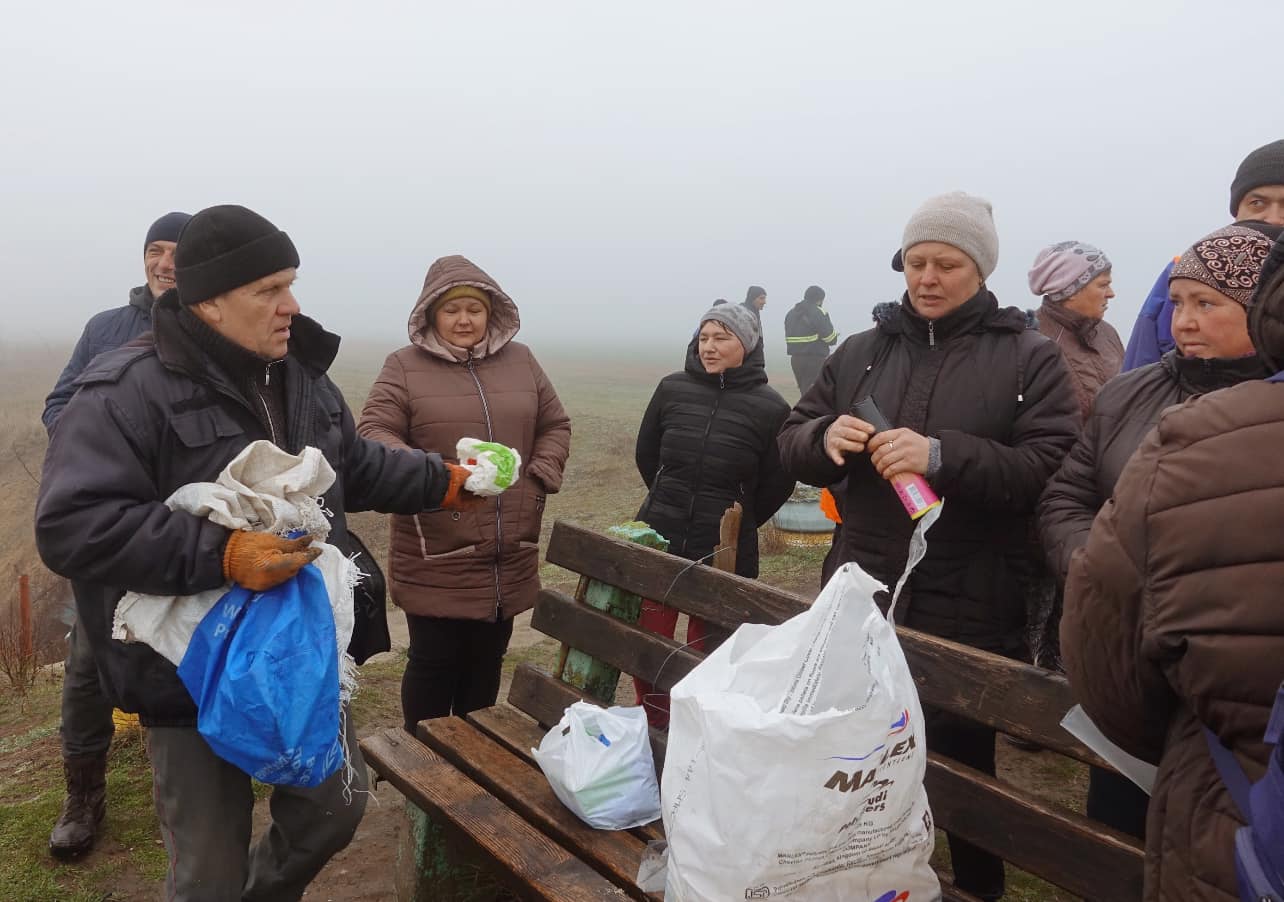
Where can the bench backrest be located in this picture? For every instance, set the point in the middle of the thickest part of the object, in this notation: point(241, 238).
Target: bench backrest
point(1015, 698)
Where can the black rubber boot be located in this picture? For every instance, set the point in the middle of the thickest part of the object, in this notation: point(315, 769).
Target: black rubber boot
point(84, 809)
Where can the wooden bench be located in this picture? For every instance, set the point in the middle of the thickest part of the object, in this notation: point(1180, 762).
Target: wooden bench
point(477, 780)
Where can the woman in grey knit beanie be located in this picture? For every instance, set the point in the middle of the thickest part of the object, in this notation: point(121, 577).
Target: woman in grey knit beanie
point(981, 407)
point(708, 441)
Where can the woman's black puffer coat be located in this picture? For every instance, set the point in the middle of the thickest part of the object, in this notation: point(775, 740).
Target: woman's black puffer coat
point(705, 443)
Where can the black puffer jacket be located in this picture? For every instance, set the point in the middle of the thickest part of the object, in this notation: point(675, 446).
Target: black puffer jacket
point(1125, 410)
point(997, 395)
point(705, 443)
point(104, 332)
point(155, 415)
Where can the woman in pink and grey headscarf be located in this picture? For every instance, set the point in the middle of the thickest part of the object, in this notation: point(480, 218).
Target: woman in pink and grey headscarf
point(1074, 279)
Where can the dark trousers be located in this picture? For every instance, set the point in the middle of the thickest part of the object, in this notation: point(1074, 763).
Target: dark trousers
point(205, 807)
point(975, 870)
point(454, 666)
point(1117, 802)
point(86, 714)
point(806, 370)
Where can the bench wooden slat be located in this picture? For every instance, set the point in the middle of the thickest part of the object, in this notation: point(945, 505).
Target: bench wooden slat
point(1010, 696)
point(519, 734)
point(711, 594)
point(1059, 846)
point(1078, 855)
point(625, 646)
point(613, 854)
point(510, 728)
point(533, 864)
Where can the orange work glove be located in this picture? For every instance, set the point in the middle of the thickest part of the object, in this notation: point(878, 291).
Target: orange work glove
point(259, 560)
point(457, 497)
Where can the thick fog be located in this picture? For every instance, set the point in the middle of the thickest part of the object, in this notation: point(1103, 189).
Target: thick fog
point(616, 166)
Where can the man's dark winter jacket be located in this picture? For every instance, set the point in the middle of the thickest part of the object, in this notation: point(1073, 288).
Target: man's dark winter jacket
point(1125, 410)
point(808, 330)
point(104, 332)
point(158, 414)
point(998, 396)
point(705, 443)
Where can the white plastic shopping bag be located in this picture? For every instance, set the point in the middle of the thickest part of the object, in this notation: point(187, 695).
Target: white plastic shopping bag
point(492, 467)
point(598, 761)
point(795, 762)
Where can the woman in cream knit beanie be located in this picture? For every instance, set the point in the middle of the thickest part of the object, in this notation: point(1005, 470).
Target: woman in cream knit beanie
point(961, 220)
point(980, 407)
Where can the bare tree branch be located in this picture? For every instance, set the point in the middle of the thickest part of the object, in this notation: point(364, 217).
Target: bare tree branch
point(16, 456)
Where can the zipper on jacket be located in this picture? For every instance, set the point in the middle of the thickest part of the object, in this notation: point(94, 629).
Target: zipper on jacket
point(267, 411)
point(931, 333)
point(704, 441)
point(499, 502)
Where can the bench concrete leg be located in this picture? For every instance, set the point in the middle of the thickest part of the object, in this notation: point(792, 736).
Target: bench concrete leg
point(431, 868)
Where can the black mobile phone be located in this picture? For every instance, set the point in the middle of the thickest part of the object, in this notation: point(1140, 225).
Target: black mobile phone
point(868, 411)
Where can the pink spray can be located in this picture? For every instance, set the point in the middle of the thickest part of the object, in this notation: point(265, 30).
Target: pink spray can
point(916, 495)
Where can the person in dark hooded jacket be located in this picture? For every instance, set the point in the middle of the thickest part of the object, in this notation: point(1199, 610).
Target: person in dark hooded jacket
point(809, 334)
point(985, 411)
point(118, 326)
point(707, 441)
point(87, 724)
point(755, 300)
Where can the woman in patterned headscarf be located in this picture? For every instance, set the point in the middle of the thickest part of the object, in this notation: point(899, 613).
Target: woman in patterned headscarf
point(1074, 279)
point(1210, 287)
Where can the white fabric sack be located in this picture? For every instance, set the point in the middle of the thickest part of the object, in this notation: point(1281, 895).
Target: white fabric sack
point(598, 761)
point(264, 489)
point(795, 762)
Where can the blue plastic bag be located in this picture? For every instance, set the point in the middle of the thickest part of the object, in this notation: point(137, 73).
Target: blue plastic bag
point(264, 672)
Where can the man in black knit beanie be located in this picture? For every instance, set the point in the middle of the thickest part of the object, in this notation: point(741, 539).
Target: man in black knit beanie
point(230, 361)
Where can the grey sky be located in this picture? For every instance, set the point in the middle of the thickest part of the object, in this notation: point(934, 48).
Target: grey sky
point(616, 166)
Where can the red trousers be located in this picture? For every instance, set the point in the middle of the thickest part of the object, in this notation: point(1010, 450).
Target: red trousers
point(663, 621)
